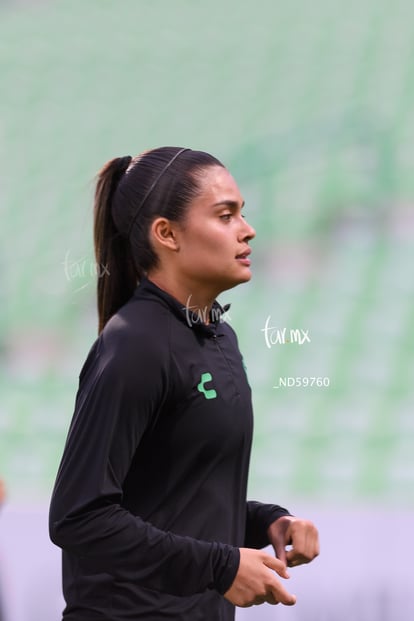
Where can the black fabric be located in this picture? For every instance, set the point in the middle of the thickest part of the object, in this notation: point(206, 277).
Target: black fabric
point(149, 504)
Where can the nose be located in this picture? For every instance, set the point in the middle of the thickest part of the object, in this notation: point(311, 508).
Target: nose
point(248, 231)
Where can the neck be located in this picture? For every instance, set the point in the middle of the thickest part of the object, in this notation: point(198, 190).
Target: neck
point(191, 295)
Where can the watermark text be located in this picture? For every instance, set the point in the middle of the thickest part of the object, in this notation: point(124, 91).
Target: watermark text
point(194, 314)
point(302, 382)
point(282, 336)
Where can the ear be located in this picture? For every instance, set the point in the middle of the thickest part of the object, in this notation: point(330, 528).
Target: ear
point(164, 234)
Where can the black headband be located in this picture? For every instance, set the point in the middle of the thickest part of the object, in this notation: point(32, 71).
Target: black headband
point(152, 186)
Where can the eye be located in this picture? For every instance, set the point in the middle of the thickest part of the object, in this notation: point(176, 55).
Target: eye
point(226, 217)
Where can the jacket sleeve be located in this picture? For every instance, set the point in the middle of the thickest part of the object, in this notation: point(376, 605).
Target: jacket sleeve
point(120, 393)
point(259, 516)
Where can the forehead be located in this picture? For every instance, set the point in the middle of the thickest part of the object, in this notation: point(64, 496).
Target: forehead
point(216, 184)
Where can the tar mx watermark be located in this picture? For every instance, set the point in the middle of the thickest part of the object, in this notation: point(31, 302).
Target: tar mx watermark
point(194, 314)
point(283, 336)
point(76, 269)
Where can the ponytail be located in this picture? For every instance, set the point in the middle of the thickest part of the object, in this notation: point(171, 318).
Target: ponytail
point(117, 275)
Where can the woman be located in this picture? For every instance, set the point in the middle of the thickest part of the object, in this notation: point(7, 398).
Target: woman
point(149, 504)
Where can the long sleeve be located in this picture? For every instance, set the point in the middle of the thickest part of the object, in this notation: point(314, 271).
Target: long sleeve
point(259, 516)
point(120, 395)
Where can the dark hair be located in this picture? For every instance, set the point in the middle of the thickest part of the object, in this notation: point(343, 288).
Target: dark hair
point(126, 203)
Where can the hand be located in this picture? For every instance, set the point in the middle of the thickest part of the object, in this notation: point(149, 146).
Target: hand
point(255, 583)
point(302, 535)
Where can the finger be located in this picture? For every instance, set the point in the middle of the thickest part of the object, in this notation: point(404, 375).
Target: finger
point(276, 564)
point(264, 599)
point(279, 546)
point(280, 594)
point(294, 559)
point(305, 547)
point(299, 559)
point(298, 538)
point(270, 599)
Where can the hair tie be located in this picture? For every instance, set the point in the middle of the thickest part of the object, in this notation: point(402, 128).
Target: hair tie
point(123, 163)
point(152, 186)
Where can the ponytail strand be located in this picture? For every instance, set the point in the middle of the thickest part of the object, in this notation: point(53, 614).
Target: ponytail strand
point(117, 275)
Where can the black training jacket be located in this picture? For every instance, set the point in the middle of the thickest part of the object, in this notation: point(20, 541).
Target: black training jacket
point(149, 504)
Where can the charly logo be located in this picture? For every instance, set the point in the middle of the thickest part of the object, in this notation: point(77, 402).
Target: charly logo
point(208, 393)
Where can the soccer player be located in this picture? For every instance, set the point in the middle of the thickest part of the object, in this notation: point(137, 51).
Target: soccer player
point(149, 504)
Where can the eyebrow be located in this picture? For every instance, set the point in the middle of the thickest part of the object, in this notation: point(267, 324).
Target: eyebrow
point(229, 203)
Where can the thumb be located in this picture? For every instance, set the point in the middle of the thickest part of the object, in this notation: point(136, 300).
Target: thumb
point(277, 565)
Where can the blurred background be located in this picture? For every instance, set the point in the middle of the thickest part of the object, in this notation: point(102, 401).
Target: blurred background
point(311, 107)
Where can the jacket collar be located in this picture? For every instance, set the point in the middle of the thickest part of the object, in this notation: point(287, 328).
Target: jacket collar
point(194, 320)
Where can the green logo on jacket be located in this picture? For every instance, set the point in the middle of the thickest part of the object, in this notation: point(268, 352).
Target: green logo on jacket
point(208, 393)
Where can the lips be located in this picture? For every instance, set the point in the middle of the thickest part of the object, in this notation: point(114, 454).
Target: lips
point(243, 258)
point(244, 255)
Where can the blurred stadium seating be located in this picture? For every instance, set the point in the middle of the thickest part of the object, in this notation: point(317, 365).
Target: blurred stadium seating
point(310, 105)
point(311, 109)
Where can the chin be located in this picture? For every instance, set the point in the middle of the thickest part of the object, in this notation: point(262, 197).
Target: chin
point(246, 276)
point(237, 280)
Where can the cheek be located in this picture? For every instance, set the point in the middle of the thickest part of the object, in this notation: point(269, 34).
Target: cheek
point(210, 238)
